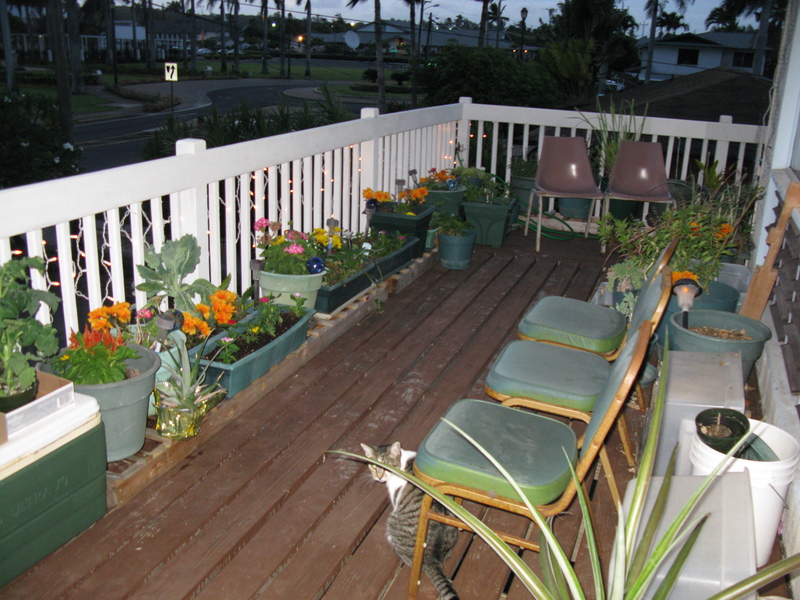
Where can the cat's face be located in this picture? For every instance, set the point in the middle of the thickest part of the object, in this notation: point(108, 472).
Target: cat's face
point(388, 454)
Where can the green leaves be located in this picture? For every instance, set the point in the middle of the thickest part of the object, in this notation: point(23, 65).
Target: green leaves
point(164, 274)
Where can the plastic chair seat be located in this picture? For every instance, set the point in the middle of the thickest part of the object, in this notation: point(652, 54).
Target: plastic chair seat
point(529, 446)
point(574, 323)
point(553, 374)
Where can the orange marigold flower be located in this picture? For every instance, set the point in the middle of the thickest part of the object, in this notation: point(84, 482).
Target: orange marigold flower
point(694, 226)
point(419, 193)
point(204, 310)
point(193, 325)
point(724, 231)
point(678, 275)
point(368, 194)
point(383, 196)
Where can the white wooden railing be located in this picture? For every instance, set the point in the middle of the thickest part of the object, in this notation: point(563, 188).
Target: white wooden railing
point(92, 228)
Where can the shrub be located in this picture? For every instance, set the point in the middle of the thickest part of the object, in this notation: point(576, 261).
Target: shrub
point(34, 148)
point(370, 75)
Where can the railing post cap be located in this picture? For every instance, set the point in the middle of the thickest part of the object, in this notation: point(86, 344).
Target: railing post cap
point(370, 113)
point(465, 100)
point(189, 146)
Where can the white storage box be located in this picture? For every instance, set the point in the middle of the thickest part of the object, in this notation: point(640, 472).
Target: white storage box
point(694, 382)
point(724, 552)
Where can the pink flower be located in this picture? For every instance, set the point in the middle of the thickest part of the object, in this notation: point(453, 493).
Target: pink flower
point(265, 299)
point(261, 225)
point(144, 313)
point(294, 249)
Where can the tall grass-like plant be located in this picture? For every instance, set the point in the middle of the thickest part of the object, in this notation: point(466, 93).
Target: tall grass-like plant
point(634, 564)
point(608, 130)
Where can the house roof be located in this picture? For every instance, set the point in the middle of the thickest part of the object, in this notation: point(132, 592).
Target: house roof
point(709, 39)
point(701, 96)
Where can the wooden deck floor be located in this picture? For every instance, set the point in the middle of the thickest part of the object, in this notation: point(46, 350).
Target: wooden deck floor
point(261, 512)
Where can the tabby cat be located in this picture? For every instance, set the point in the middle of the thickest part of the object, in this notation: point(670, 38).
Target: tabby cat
point(401, 527)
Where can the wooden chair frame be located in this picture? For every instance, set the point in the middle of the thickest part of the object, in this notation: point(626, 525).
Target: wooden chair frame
point(582, 469)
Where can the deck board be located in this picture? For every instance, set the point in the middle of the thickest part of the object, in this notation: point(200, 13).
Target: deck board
point(260, 510)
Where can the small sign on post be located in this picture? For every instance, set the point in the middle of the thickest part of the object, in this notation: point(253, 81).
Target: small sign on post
point(171, 75)
point(170, 71)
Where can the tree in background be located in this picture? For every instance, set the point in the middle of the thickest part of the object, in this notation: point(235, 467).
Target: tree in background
point(378, 53)
point(489, 76)
point(670, 22)
point(653, 8)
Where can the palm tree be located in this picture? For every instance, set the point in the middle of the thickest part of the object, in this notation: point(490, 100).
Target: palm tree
point(55, 31)
point(378, 53)
point(721, 18)
point(308, 35)
point(484, 22)
point(74, 40)
point(652, 9)
point(412, 56)
point(8, 48)
point(496, 16)
point(670, 22)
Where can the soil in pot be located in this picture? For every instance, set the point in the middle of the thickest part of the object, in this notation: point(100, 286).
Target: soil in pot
point(722, 334)
point(247, 347)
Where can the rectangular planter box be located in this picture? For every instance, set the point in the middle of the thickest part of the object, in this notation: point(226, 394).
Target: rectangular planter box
point(242, 373)
point(389, 265)
point(491, 221)
point(410, 225)
point(329, 298)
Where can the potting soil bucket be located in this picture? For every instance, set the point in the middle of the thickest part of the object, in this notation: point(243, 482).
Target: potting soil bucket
point(769, 480)
point(682, 338)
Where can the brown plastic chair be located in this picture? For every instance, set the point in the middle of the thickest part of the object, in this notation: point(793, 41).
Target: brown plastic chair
point(639, 174)
point(564, 172)
point(533, 448)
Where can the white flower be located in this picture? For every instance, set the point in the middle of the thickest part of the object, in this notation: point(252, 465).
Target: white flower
point(68, 146)
point(56, 160)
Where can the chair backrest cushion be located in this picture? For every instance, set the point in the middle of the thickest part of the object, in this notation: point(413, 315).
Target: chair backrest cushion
point(639, 171)
point(564, 168)
point(628, 358)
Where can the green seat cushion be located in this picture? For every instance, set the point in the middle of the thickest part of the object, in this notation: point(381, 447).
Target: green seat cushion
point(553, 374)
point(535, 450)
point(574, 323)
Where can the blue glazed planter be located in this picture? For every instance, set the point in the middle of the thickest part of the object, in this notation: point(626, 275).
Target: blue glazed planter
point(242, 373)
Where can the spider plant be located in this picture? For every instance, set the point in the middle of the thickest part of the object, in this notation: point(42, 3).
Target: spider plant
point(634, 565)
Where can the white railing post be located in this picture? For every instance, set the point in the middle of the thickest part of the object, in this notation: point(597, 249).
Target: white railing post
point(369, 154)
point(192, 214)
point(721, 152)
point(462, 135)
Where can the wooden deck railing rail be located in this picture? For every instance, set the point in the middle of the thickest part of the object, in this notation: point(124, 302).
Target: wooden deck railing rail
point(92, 228)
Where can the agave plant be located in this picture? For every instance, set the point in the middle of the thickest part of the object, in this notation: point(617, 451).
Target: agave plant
point(183, 399)
point(634, 565)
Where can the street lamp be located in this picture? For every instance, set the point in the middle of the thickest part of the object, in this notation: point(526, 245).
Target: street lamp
point(524, 14)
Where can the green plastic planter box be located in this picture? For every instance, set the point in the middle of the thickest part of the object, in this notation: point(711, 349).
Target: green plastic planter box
point(242, 373)
point(410, 225)
point(491, 222)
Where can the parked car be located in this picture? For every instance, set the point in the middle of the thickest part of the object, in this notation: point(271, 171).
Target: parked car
point(203, 51)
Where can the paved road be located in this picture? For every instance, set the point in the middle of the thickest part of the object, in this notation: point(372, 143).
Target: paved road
point(117, 138)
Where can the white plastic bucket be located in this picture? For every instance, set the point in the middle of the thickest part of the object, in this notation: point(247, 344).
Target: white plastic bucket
point(769, 481)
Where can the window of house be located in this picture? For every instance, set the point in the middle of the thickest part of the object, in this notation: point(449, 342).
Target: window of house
point(688, 56)
point(743, 59)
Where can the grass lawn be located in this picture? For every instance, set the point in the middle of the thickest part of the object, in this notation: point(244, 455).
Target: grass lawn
point(81, 103)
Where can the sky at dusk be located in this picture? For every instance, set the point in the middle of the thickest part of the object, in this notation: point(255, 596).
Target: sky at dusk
point(695, 15)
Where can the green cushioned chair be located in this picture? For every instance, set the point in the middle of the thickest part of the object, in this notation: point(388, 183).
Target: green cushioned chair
point(567, 381)
point(584, 325)
point(535, 449)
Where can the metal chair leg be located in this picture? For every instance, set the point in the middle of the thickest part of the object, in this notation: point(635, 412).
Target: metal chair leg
point(624, 435)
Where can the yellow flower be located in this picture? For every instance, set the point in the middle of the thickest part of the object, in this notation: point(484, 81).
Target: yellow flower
point(64, 357)
point(255, 329)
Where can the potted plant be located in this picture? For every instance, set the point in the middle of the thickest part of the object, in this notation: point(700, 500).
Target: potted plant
point(259, 342)
point(165, 273)
point(119, 375)
point(292, 263)
point(184, 398)
point(406, 214)
point(357, 262)
point(446, 188)
point(23, 338)
point(456, 242)
point(523, 180)
point(708, 233)
point(491, 212)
